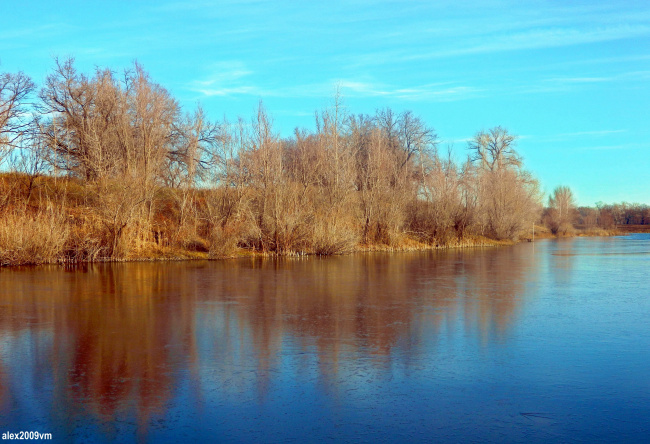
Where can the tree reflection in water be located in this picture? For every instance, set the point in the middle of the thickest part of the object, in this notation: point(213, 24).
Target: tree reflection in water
point(124, 338)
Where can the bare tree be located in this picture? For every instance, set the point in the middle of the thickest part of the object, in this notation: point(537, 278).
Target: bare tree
point(561, 210)
point(104, 127)
point(494, 149)
point(187, 165)
point(121, 136)
point(442, 198)
point(509, 197)
point(388, 123)
point(588, 217)
point(416, 139)
point(30, 160)
point(15, 90)
point(141, 170)
point(77, 130)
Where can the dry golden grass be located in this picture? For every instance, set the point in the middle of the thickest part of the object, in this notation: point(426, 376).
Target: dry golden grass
point(32, 238)
point(596, 231)
point(634, 228)
point(224, 243)
point(332, 237)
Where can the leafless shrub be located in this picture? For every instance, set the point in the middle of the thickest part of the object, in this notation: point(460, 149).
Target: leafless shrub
point(561, 212)
point(116, 204)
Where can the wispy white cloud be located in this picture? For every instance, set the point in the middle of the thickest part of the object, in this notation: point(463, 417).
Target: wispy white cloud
point(580, 79)
point(202, 5)
point(233, 78)
point(539, 39)
point(573, 136)
point(621, 76)
point(444, 91)
point(636, 75)
point(593, 133)
point(239, 90)
point(225, 74)
point(569, 84)
point(226, 78)
point(623, 146)
point(489, 34)
point(293, 113)
point(251, 89)
point(617, 60)
point(456, 140)
point(49, 30)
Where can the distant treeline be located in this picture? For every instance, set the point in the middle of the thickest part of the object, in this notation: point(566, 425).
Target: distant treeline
point(562, 216)
point(611, 215)
point(110, 166)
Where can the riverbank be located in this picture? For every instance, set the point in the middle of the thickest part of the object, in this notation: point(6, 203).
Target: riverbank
point(162, 254)
point(49, 220)
point(37, 241)
point(634, 228)
point(12, 258)
point(542, 232)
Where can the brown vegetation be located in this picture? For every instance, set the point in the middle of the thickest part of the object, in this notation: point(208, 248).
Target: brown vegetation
point(630, 228)
point(109, 167)
point(561, 211)
point(562, 218)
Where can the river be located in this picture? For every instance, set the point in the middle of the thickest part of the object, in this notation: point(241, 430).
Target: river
point(538, 342)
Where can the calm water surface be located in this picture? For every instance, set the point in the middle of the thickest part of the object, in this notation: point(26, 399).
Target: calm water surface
point(533, 343)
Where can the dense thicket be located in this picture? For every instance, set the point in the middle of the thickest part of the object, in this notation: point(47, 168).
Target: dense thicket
point(110, 166)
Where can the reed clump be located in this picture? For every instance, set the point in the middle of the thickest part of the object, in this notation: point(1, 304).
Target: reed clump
point(28, 237)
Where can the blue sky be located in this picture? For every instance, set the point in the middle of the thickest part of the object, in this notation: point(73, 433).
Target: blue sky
point(572, 79)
